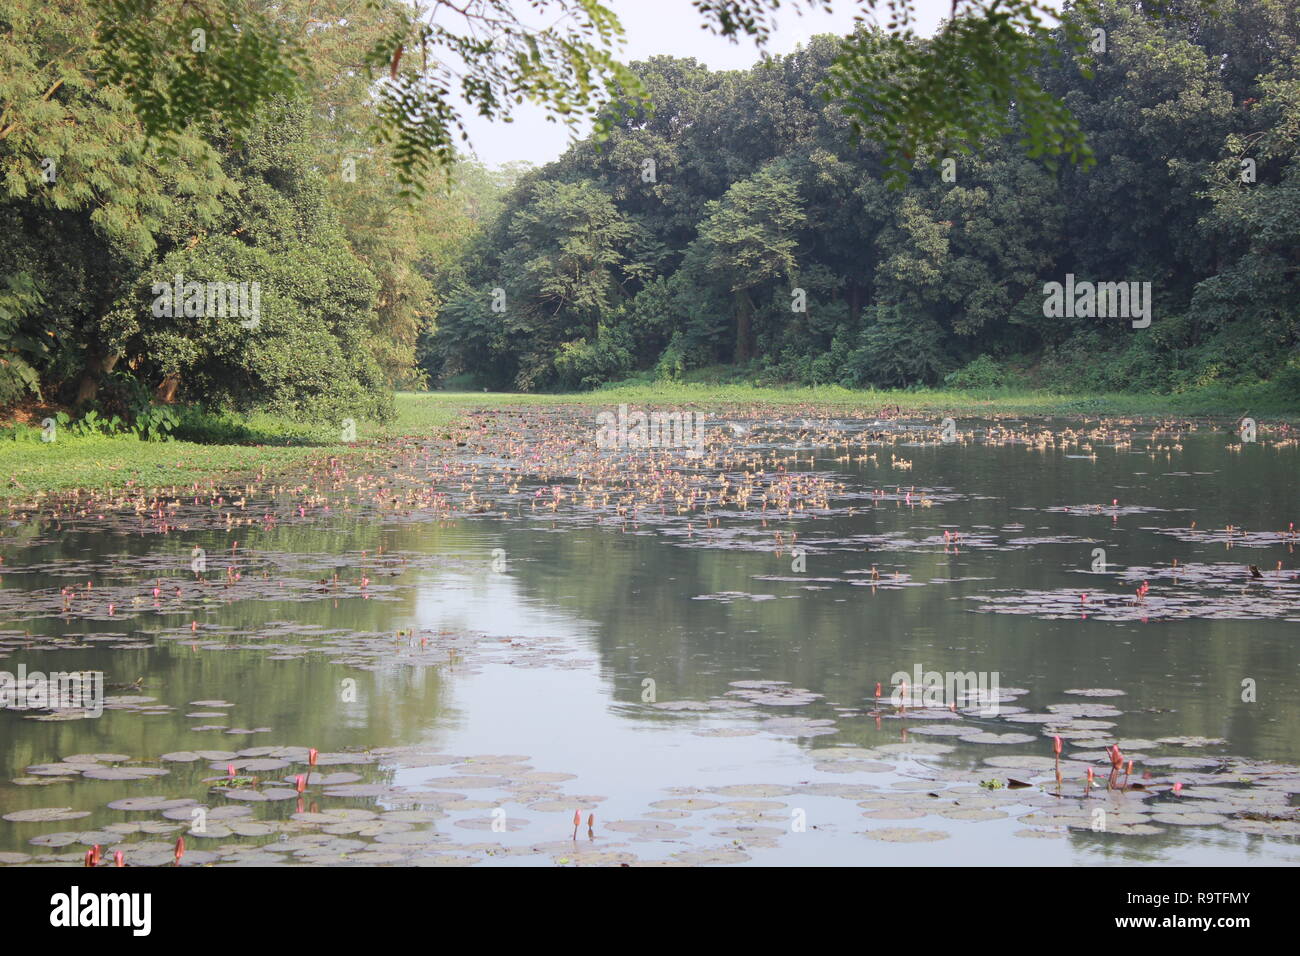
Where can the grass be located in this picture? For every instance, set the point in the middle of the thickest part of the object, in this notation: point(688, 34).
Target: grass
point(270, 444)
point(1230, 404)
point(280, 446)
point(101, 462)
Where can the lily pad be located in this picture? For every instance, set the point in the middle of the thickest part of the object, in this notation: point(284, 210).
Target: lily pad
point(906, 835)
point(45, 815)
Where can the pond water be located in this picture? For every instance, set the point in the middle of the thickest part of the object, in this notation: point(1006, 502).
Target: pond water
point(481, 636)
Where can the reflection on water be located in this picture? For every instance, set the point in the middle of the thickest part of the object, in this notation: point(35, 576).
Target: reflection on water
point(610, 652)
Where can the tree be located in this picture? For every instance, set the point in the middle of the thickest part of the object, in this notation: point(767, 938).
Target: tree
point(555, 266)
point(308, 350)
point(759, 187)
point(748, 243)
point(951, 92)
point(85, 198)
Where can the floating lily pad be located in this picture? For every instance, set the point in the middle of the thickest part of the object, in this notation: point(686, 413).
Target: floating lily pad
point(894, 813)
point(124, 773)
point(943, 730)
point(598, 858)
point(1189, 819)
point(906, 835)
point(1084, 710)
point(972, 813)
point(443, 859)
point(986, 737)
point(411, 838)
point(687, 804)
point(1182, 763)
point(1041, 834)
point(45, 815)
point(151, 803)
point(720, 856)
point(1193, 741)
point(97, 758)
point(470, 782)
point(1274, 828)
point(1021, 762)
point(853, 766)
point(754, 790)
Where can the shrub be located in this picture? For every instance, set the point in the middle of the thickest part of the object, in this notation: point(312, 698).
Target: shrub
point(980, 373)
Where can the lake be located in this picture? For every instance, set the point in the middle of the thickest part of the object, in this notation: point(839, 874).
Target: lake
point(719, 658)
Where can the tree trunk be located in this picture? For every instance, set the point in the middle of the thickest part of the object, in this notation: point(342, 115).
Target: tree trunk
point(855, 302)
point(167, 388)
point(96, 368)
point(744, 329)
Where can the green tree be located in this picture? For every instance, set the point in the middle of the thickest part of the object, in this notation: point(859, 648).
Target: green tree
point(953, 91)
point(748, 243)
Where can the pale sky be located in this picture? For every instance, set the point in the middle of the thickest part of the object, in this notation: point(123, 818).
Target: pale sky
point(672, 27)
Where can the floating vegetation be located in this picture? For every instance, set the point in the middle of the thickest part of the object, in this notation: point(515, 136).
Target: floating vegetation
point(906, 835)
point(45, 815)
point(786, 486)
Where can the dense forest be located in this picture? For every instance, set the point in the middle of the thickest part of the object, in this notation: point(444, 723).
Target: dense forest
point(742, 223)
point(94, 214)
point(723, 219)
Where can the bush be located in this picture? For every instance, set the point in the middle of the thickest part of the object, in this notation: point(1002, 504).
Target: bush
point(155, 422)
point(672, 363)
point(585, 364)
point(896, 352)
point(979, 374)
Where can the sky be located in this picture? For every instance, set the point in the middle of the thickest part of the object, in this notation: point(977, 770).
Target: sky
point(671, 27)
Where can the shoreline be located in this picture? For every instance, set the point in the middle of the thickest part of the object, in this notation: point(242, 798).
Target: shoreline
point(115, 463)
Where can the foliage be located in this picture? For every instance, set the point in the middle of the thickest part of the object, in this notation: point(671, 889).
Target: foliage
point(200, 60)
point(977, 374)
point(20, 350)
point(583, 364)
point(949, 93)
point(766, 235)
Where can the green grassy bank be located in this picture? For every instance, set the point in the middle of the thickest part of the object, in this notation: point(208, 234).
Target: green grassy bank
point(273, 445)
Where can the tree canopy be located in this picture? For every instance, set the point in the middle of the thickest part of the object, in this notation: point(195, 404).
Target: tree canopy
point(757, 229)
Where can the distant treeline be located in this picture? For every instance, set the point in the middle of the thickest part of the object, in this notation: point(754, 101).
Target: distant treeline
point(741, 223)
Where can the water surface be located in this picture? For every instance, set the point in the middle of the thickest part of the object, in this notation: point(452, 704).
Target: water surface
point(547, 642)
